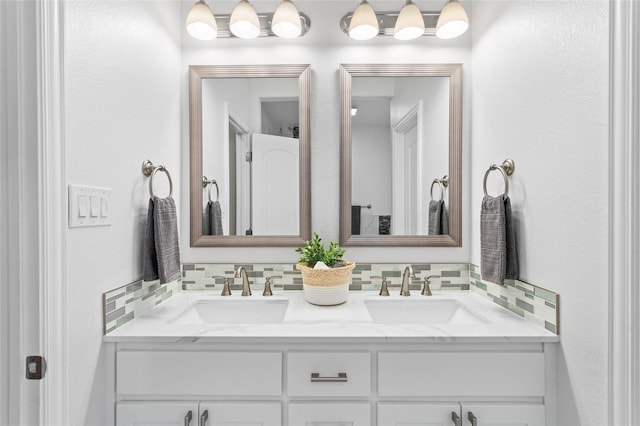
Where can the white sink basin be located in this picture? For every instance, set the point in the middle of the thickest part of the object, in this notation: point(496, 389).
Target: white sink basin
point(424, 312)
point(222, 311)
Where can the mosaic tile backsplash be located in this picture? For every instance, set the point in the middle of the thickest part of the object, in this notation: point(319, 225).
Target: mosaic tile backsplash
point(207, 276)
point(530, 302)
point(125, 303)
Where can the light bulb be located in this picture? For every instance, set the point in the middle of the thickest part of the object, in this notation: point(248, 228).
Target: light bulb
point(364, 22)
point(286, 20)
point(410, 23)
point(453, 21)
point(244, 21)
point(201, 23)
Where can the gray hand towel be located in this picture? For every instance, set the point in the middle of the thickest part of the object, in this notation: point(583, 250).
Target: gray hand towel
point(435, 217)
point(214, 217)
point(497, 240)
point(161, 257)
point(445, 220)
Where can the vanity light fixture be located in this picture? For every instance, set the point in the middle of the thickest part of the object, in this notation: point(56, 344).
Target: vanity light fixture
point(410, 23)
point(244, 21)
point(201, 23)
point(453, 20)
point(364, 22)
point(286, 20)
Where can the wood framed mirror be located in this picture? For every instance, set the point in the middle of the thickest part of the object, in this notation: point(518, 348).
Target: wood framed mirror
point(401, 154)
point(249, 162)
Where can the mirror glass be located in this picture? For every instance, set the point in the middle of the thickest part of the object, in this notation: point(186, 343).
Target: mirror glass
point(249, 155)
point(401, 154)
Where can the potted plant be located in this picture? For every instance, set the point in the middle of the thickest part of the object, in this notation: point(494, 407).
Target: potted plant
point(325, 275)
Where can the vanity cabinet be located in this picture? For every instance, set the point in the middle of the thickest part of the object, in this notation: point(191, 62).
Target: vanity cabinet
point(202, 413)
point(461, 414)
point(335, 383)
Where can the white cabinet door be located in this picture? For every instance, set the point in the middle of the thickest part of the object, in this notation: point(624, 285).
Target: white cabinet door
point(240, 414)
point(488, 414)
point(418, 414)
point(157, 413)
point(330, 414)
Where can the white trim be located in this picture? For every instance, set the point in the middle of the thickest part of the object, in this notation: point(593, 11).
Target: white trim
point(53, 196)
point(624, 219)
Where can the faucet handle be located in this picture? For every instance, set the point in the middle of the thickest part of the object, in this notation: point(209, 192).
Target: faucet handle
point(384, 290)
point(426, 290)
point(226, 291)
point(267, 285)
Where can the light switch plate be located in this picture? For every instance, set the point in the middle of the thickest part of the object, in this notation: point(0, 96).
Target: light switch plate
point(88, 206)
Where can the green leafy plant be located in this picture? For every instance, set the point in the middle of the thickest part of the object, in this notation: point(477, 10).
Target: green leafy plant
point(314, 251)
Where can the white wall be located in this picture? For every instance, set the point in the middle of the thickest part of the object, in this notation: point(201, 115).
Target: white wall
point(540, 97)
point(122, 106)
point(325, 47)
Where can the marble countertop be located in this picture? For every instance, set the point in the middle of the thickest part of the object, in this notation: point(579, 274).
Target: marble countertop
point(349, 322)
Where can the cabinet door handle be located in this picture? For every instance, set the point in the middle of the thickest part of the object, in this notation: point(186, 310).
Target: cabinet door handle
point(455, 418)
point(341, 377)
point(187, 418)
point(203, 418)
point(473, 419)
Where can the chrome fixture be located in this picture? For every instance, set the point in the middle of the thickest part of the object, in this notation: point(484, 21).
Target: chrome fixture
point(426, 290)
point(242, 273)
point(364, 23)
point(203, 418)
point(407, 275)
point(149, 169)
point(245, 22)
point(384, 288)
point(267, 285)
point(442, 184)
point(226, 291)
point(507, 168)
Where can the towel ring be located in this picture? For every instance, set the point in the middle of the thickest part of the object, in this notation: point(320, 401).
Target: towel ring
point(148, 169)
point(506, 168)
point(208, 182)
point(442, 184)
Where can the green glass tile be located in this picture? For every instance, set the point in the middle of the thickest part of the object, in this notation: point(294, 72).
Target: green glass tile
point(516, 310)
point(481, 285)
point(125, 319)
point(545, 294)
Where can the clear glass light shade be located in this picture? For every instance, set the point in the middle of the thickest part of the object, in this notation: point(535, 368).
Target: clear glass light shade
point(286, 20)
point(453, 21)
point(244, 21)
point(364, 23)
point(201, 23)
point(410, 23)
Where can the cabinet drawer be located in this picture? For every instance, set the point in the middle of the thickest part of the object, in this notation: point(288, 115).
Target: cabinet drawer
point(454, 374)
point(334, 414)
point(326, 368)
point(199, 373)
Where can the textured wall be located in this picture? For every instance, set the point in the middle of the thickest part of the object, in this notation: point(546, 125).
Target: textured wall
point(540, 96)
point(122, 105)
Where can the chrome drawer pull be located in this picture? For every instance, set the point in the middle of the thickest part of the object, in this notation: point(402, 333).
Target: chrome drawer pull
point(473, 419)
point(187, 418)
point(315, 377)
point(203, 418)
point(456, 419)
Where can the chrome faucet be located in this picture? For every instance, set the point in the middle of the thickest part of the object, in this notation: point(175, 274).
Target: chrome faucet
point(407, 275)
point(246, 289)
